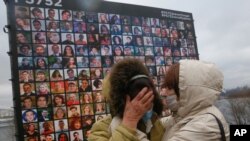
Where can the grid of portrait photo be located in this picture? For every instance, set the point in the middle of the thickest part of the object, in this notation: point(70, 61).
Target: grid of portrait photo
point(63, 56)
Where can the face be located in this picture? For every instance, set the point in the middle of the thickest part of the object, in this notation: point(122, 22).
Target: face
point(41, 77)
point(97, 72)
point(148, 51)
point(105, 29)
point(63, 137)
point(117, 40)
point(115, 28)
point(136, 20)
point(42, 89)
point(72, 88)
point(184, 51)
point(94, 49)
point(81, 37)
point(71, 61)
point(118, 51)
point(158, 31)
point(58, 101)
point(71, 74)
point(25, 76)
point(51, 14)
point(31, 127)
point(88, 133)
point(54, 38)
point(32, 139)
point(106, 50)
point(99, 107)
point(103, 17)
point(61, 124)
point(68, 37)
point(81, 50)
point(85, 84)
point(19, 22)
point(66, 16)
point(77, 125)
point(126, 29)
point(27, 103)
point(68, 50)
point(57, 86)
point(164, 33)
point(55, 48)
point(42, 102)
point(86, 97)
point(72, 97)
point(53, 25)
point(128, 40)
point(98, 97)
point(127, 51)
point(68, 26)
point(48, 138)
point(79, 14)
point(37, 25)
point(44, 113)
point(176, 53)
point(29, 116)
point(21, 38)
point(27, 88)
point(40, 50)
point(86, 109)
point(37, 14)
point(76, 136)
point(60, 113)
point(25, 50)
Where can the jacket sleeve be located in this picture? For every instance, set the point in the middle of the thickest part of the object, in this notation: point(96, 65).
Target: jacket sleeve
point(100, 132)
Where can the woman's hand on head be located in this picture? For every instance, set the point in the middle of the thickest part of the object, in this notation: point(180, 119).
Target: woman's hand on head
point(136, 108)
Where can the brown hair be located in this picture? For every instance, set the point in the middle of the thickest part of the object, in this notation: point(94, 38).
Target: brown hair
point(171, 80)
point(120, 85)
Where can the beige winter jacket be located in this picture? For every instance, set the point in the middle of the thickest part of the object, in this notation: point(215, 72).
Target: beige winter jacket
point(200, 84)
point(109, 129)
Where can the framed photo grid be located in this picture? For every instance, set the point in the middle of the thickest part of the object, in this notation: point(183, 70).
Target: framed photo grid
point(63, 55)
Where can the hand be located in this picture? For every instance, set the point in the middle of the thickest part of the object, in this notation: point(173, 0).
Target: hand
point(136, 108)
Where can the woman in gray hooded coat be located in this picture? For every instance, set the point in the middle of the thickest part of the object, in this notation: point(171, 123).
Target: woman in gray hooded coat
point(192, 87)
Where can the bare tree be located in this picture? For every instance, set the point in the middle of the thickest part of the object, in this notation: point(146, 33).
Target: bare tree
point(240, 110)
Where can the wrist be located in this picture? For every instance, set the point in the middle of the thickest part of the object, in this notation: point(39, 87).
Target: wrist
point(132, 124)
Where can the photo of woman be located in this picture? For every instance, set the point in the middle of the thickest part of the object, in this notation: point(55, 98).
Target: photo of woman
point(87, 109)
point(22, 24)
point(86, 98)
point(59, 100)
point(68, 51)
point(60, 112)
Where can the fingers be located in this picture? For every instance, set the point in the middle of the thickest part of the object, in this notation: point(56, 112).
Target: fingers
point(127, 101)
point(148, 105)
point(141, 94)
point(146, 97)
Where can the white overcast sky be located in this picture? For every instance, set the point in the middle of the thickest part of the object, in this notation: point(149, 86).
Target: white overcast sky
point(222, 28)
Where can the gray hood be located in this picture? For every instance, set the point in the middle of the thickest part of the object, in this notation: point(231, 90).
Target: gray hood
point(200, 84)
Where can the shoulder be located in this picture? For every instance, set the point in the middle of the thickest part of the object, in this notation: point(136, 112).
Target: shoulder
point(103, 122)
point(100, 130)
point(206, 124)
